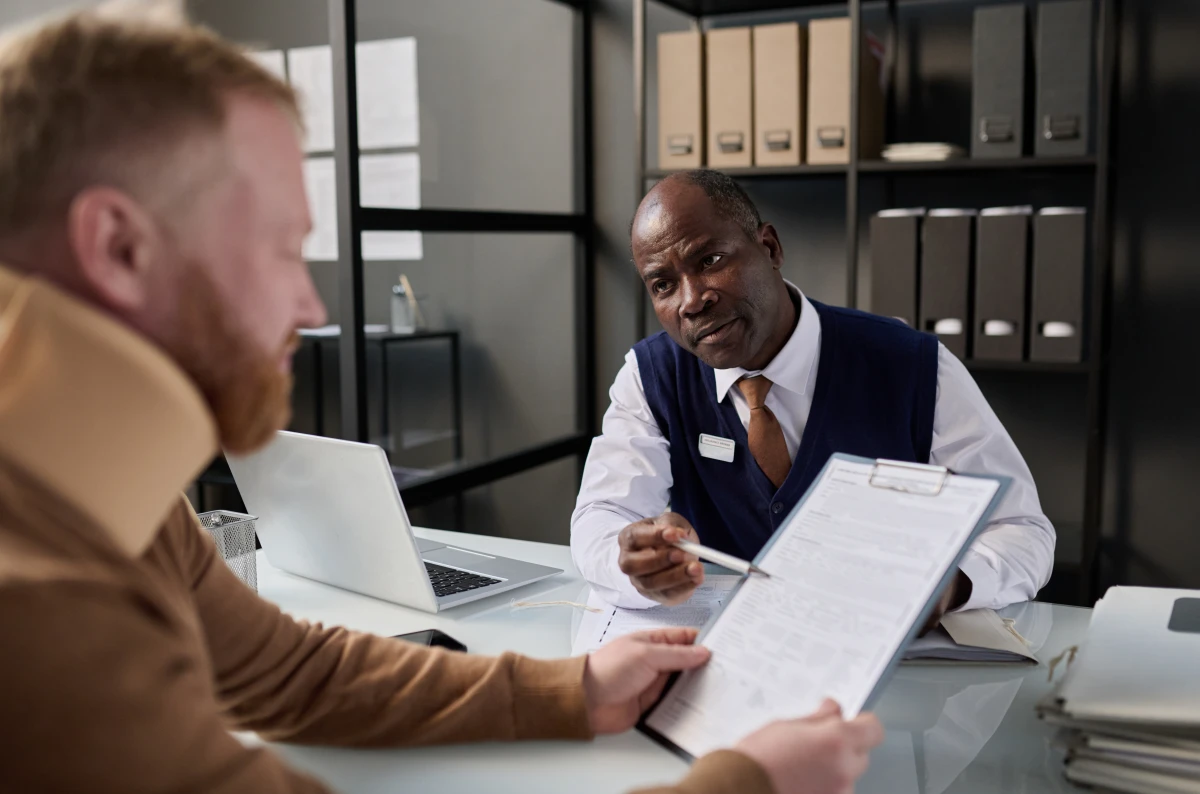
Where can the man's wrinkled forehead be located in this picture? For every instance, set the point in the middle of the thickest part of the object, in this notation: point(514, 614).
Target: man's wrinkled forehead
point(679, 220)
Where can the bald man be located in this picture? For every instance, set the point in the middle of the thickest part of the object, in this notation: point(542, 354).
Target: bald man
point(746, 357)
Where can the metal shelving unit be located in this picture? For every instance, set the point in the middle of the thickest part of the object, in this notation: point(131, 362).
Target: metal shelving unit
point(1028, 164)
point(1064, 368)
point(1099, 165)
point(1025, 164)
point(354, 219)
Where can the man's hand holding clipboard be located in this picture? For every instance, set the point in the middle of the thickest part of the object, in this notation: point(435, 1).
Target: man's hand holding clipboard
point(866, 559)
point(818, 754)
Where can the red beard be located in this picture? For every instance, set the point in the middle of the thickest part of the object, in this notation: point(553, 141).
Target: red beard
point(249, 395)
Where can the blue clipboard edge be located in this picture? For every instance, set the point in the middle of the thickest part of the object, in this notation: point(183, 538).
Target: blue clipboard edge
point(922, 616)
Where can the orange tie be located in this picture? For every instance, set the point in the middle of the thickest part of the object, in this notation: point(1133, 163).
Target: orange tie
point(765, 435)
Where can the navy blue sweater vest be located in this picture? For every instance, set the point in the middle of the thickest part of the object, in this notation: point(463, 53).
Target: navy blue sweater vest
point(875, 394)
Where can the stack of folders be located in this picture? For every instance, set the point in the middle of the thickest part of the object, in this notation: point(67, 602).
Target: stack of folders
point(1128, 707)
point(771, 95)
point(922, 152)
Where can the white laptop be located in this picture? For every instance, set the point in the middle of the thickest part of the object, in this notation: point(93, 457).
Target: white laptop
point(329, 510)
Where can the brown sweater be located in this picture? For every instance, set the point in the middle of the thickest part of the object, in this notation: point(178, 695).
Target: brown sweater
point(130, 649)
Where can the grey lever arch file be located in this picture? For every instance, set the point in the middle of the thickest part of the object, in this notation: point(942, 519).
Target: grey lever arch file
point(1064, 58)
point(1059, 246)
point(895, 263)
point(946, 277)
point(1001, 267)
point(998, 82)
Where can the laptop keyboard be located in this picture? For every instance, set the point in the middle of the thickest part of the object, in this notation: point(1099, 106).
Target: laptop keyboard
point(448, 581)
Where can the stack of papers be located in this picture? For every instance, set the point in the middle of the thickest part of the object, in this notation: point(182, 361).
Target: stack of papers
point(922, 152)
point(1128, 708)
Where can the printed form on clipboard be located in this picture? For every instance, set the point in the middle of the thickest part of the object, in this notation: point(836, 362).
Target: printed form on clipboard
point(855, 570)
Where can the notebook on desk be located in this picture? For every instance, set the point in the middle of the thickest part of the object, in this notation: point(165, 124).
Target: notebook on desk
point(978, 636)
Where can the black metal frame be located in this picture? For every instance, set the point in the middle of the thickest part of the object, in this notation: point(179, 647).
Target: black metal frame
point(384, 340)
point(1098, 342)
point(1095, 366)
point(456, 417)
point(354, 219)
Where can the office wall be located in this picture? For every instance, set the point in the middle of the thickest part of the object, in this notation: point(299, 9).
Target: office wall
point(496, 104)
point(16, 12)
point(1154, 454)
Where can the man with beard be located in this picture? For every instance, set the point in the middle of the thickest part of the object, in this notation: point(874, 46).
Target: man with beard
point(151, 218)
point(746, 357)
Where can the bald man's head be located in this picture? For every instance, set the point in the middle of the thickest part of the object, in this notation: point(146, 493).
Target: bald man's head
point(712, 269)
point(727, 196)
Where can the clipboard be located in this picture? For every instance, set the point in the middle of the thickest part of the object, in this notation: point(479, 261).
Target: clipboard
point(904, 477)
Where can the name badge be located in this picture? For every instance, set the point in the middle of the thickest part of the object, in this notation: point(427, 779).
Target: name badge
point(716, 448)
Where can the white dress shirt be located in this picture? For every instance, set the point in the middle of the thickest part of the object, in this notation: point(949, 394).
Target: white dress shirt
point(628, 472)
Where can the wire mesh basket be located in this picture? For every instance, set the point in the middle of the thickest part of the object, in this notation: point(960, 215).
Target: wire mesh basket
point(234, 535)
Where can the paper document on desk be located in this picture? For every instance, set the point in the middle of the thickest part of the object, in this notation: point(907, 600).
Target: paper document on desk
point(979, 636)
point(853, 571)
point(601, 628)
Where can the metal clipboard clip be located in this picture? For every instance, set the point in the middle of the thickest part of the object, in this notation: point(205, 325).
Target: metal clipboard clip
point(908, 484)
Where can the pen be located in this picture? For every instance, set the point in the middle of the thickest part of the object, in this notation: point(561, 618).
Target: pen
point(720, 558)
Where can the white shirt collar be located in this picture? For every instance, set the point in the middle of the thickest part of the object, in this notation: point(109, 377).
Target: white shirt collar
point(792, 368)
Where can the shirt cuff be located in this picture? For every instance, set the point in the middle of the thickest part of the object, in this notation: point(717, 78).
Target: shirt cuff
point(983, 581)
point(548, 699)
point(726, 772)
point(619, 590)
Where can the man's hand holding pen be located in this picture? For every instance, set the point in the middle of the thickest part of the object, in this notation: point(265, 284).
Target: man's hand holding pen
point(658, 569)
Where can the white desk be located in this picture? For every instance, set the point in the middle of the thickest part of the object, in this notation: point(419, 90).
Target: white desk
point(950, 729)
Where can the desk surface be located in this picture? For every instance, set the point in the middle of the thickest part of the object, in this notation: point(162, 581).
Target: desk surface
point(949, 728)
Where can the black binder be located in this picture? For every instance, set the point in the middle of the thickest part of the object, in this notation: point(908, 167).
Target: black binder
point(1064, 61)
point(998, 82)
point(895, 262)
point(1056, 308)
point(1001, 270)
point(946, 247)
